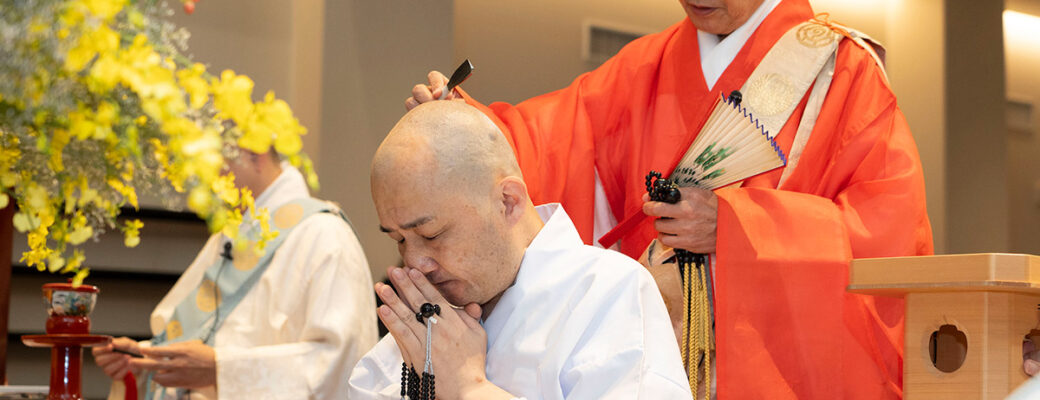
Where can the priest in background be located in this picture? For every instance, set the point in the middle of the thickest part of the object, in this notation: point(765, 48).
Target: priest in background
point(542, 316)
point(303, 316)
point(781, 241)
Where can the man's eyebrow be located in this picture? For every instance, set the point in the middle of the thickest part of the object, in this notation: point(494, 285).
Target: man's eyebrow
point(410, 225)
point(417, 222)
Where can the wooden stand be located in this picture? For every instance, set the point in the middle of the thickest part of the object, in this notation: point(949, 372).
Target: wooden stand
point(966, 318)
point(66, 361)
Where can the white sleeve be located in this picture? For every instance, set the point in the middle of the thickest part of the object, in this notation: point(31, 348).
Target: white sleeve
point(378, 375)
point(629, 351)
point(321, 318)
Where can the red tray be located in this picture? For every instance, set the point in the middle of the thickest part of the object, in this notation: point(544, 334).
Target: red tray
point(65, 340)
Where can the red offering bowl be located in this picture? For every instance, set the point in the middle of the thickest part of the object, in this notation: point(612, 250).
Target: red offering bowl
point(69, 307)
point(68, 332)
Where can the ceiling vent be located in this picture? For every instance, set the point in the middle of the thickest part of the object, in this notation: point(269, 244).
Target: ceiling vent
point(602, 40)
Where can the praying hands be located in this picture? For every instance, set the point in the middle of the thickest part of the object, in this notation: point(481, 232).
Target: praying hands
point(458, 344)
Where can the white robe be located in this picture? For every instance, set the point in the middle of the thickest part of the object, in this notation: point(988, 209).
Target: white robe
point(298, 333)
point(579, 322)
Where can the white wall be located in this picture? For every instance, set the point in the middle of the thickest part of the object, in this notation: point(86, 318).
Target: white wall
point(525, 48)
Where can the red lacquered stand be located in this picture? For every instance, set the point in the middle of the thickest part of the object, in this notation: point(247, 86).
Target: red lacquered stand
point(66, 361)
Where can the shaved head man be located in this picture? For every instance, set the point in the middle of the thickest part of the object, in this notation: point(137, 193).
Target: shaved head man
point(536, 313)
point(439, 169)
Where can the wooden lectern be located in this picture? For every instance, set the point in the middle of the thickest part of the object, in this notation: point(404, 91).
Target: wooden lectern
point(966, 318)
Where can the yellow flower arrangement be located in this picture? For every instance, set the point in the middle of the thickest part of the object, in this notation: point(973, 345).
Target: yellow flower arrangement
point(97, 102)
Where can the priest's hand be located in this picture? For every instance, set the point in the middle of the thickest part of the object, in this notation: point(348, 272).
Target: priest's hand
point(115, 365)
point(689, 224)
point(423, 93)
point(459, 343)
point(190, 364)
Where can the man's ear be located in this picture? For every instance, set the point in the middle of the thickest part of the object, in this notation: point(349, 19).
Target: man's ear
point(514, 198)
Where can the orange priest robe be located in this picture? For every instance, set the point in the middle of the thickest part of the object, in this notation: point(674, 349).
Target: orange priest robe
point(785, 326)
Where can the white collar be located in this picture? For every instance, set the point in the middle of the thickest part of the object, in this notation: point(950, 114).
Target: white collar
point(716, 55)
point(558, 234)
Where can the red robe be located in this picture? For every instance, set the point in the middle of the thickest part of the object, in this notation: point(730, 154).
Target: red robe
point(785, 326)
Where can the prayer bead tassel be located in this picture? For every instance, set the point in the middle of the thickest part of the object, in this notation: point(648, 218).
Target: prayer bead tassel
point(697, 340)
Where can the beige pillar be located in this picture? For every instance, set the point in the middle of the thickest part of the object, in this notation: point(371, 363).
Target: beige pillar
point(976, 172)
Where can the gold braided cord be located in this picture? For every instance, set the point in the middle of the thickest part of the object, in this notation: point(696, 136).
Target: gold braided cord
point(685, 348)
point(688, 331)
point(697, 340)
point(705, 325)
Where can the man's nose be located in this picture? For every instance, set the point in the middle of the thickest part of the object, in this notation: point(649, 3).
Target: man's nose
point(420, 260)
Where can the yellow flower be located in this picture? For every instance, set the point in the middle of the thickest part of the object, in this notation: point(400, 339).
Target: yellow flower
point(199, 201)
point(58, 142)
point(272, 120)
point(46, 216)
point(136, 18)
point(107, 113)
point(100, 40)
point(75, 262)
point(288, 143)
point(266, 235)
point(25, 222)
point(73, 15)
point(224, 187)
point(36, 197)
point(104, 9)
point(8, 179)
point(38, 251)
point(87, 195)
point(80, 275)
point(132, 233)
point(80, 230)
point(54, 262)
point(128, 192)
point(105, 73)
point(256, 137)
point(4, 200)
point(192, 82)
point(232, 221)
point(232, 96)
point(248, 203)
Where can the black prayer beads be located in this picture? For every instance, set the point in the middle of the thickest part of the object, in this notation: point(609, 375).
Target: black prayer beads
point(426, 311)
point(411, 384)
point(414, 387)
point(426, 388)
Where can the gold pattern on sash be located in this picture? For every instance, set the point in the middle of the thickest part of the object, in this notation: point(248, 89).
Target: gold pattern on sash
point(245, 259)
point(174, 330)
point(815, 35)
point(207, 296)
point(288, 216)
point(770, 94)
